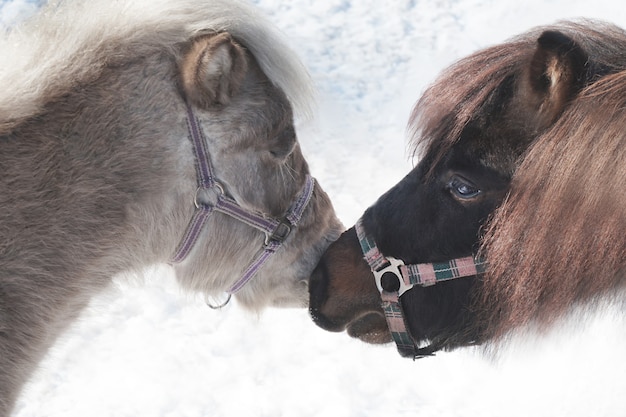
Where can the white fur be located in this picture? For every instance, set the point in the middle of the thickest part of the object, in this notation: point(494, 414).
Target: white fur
point(99, 173)
point(64, 42)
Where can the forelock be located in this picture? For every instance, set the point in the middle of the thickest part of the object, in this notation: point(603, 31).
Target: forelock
point(462, 93)
point(70, 41)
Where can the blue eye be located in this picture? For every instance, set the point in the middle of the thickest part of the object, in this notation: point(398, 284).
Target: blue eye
point(462, 188)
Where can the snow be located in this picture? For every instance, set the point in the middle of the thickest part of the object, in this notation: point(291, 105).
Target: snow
point(145, 349)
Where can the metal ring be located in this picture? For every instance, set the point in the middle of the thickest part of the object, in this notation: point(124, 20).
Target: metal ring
point(216, 185)
point(219, 306)
point(195, 197)
point(219, 187)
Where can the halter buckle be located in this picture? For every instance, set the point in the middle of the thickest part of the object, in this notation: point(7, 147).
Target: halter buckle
point(392, 268)
point(280, 233)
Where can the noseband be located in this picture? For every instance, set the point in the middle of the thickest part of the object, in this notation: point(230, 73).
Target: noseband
point(394, 278)
point(210, 197)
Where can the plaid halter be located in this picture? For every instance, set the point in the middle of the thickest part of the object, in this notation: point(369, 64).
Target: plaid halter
point(210, 197)
point(394, 278)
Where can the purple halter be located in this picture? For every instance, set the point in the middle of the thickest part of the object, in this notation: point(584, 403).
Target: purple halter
point(210, 197)
point(394, 278)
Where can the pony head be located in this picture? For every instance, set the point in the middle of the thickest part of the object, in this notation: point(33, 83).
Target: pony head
point(481, 131)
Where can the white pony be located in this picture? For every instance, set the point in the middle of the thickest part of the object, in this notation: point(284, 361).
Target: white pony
point(141, 132)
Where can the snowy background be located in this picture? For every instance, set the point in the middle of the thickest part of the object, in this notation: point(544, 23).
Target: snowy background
point(147, 350)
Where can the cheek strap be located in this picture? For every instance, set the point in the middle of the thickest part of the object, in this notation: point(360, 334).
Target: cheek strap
point(393, 278)
point(276, 230)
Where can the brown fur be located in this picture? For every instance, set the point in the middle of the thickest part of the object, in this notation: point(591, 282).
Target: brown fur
point(560, 239)
point(461, 94)
point(534, 126)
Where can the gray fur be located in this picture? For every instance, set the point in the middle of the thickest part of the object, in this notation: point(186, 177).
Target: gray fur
point(97, 173)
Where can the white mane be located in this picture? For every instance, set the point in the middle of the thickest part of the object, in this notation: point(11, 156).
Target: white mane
point(69, 41)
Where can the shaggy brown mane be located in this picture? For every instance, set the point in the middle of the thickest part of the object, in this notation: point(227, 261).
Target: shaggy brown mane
point(560, 239)
point(465, 90)
point(523, 163)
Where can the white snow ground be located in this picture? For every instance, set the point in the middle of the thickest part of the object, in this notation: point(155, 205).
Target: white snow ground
point(146, 350)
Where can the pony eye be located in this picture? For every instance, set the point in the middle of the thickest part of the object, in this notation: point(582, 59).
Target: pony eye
point(283, 144)
point(462, 188)
point(280, 153)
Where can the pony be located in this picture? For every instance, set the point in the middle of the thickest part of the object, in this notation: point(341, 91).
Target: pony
point(140, 133)
point(518, 192)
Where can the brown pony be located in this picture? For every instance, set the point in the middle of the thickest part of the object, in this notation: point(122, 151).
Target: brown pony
point(523, 164)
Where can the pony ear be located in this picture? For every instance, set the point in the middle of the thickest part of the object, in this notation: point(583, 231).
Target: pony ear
point(557, 73)
point(213, 69)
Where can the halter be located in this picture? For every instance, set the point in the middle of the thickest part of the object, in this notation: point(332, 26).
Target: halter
point(210, 197)
point(394, 278)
